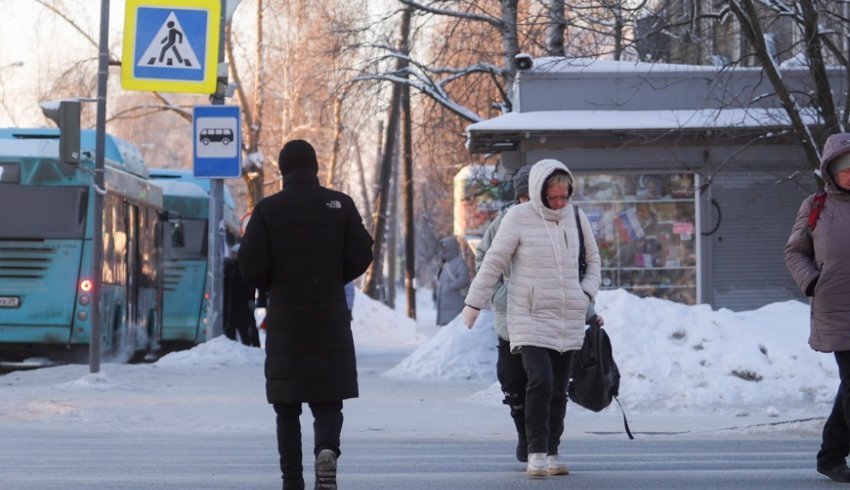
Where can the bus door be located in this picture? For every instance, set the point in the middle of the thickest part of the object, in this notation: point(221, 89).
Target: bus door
point(131, 213)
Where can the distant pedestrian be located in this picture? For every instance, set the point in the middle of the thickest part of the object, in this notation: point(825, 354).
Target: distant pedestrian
point(818, 256)
point(239, 303)
point(303, 245)
point(547, 301)
point(349, 299)
point(452, 281)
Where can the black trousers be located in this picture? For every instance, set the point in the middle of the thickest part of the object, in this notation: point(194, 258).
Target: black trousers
point(511, 375)
point(327, 426)
point(545, 397)
point(836, 436)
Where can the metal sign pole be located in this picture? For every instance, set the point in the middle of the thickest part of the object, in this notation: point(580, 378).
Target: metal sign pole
point(216, 232)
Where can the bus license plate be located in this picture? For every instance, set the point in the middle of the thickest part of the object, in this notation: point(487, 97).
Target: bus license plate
point(10, 301)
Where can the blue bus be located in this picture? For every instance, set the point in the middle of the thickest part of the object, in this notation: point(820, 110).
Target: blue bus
point(185, 293)
point(46, 281)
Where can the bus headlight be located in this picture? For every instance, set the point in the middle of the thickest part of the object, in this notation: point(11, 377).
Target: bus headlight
point(82, 316)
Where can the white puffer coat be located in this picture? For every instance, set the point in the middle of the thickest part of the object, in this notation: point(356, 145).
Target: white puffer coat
point(546, 301)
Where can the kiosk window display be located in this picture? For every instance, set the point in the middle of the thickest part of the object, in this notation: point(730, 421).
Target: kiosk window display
point(645, 226)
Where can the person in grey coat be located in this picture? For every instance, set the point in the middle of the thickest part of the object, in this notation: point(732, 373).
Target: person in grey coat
point(819, 260)
point(452, 281)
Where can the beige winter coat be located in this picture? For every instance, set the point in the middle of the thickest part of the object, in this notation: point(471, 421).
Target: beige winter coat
point(819, 261)
point(546, 301)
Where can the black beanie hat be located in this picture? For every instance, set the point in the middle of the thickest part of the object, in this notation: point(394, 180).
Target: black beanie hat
point(521, 181)
point(297, 154)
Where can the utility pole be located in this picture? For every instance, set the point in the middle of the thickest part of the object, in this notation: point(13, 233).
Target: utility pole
point(99, 159)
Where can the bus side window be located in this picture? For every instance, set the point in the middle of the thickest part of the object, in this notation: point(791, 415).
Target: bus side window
point(178, 239)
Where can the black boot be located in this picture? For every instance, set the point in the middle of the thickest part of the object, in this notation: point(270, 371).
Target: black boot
point(522, 442)
point(326, 470)
point(840, 473)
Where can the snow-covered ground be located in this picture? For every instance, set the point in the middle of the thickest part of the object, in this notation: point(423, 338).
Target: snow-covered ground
point(683, 367)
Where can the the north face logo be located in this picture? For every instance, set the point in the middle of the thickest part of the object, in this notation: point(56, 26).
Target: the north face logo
point(334, 204)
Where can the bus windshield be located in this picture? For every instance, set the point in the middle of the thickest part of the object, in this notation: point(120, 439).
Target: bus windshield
point(35, 212)
point(194, 241)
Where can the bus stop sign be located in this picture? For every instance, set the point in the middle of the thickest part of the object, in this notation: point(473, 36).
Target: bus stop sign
point(217, 141)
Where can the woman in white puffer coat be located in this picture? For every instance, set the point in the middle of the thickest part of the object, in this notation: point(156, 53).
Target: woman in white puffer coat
point(547, 301)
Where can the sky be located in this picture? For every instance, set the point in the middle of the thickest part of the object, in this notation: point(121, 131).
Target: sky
point(45, 43)
point(683, 367)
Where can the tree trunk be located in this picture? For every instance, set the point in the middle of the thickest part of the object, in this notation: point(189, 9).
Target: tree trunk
point(407, 192)
point(364, 190)
point(252, 114)
point(510, 39)
point(329, 181)
point(817, 68)
point(555, 29)
point(379, 228)
point(747, 15)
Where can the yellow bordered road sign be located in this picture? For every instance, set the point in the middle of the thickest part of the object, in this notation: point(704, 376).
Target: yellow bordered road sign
point(171, 45)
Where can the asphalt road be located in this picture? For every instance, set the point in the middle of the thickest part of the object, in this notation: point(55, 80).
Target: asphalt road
point(71, 460)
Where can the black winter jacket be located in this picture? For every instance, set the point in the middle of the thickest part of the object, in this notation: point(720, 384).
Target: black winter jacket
point(303, 245)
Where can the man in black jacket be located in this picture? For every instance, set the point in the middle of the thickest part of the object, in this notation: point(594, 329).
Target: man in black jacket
point(303, 245)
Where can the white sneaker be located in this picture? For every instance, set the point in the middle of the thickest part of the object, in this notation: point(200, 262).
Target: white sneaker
point(536, 465)
point(555, 466)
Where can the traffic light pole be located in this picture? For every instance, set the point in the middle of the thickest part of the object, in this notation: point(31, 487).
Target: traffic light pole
point(97, 215)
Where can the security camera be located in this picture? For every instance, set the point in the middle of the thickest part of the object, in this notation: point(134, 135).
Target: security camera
point(523, 61)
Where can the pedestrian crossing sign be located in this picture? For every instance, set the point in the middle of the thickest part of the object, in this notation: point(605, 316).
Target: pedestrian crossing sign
point(171, 45)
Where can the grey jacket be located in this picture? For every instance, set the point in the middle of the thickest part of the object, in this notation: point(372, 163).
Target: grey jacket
point(500, 291)
point(819, 260)
point(452, 281)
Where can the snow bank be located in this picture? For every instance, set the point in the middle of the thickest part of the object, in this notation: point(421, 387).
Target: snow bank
point(672, 357)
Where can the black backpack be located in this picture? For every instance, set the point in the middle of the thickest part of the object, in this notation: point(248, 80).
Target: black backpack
point(595, 376)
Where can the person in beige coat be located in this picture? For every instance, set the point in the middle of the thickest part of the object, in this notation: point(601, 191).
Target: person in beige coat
point(546, 301)
point(819, 260)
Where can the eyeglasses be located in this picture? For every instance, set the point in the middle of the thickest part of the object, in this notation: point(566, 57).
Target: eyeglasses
point(561, 198)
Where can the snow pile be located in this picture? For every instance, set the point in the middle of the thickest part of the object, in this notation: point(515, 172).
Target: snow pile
point(672, 357)
point(92, 381)
point(455, 352)
point(375, 325)
point(219, 351)
point(677, 357)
